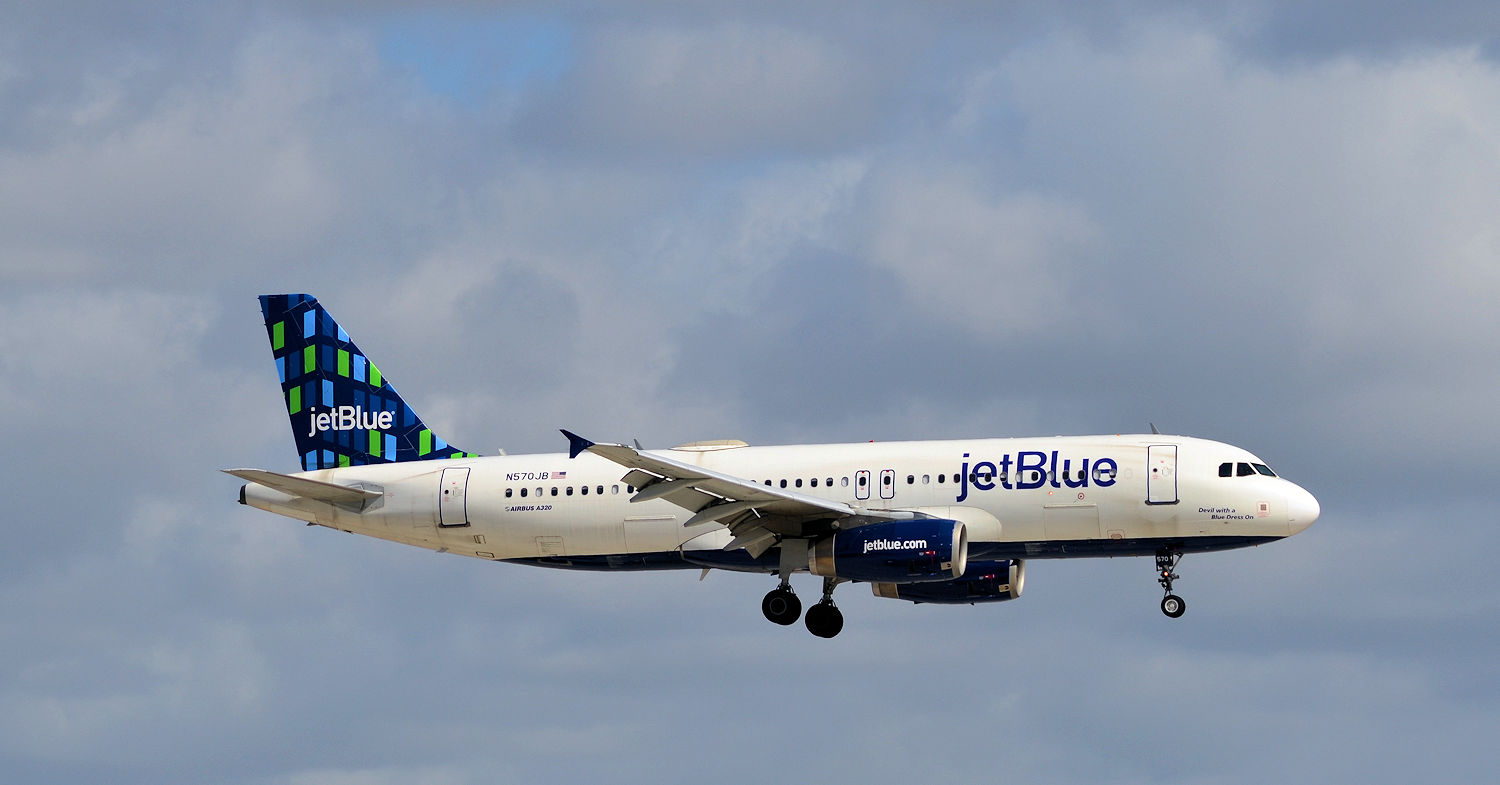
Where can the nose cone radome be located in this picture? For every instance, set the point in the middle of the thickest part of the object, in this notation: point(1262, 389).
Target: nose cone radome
point(1301, 509)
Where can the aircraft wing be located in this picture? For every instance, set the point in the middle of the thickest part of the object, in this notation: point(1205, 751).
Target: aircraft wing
point(758, 515)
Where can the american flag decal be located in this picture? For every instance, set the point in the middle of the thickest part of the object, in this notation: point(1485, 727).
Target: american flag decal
point(559, 475)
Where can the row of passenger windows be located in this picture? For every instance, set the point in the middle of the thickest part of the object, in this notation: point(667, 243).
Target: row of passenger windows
point(1242, 469)
point(861, 481)
point(927, 479)
point(583, 490)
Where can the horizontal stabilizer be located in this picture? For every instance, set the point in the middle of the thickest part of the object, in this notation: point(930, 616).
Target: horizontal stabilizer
point(305, 488)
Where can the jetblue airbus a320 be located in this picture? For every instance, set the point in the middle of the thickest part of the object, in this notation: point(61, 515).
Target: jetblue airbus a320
point(932, 521)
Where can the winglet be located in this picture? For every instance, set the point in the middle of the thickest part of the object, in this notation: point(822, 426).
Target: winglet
point(576, 443)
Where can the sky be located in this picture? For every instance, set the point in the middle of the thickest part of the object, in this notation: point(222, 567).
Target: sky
point(1266, 223)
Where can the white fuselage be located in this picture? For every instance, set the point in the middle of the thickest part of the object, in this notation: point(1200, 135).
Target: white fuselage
point(1019, 498)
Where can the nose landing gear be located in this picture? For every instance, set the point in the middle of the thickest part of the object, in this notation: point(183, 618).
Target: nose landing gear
point(1166, 572)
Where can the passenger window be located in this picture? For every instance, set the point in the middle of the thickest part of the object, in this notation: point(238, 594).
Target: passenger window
point(862, 480)
point(844, 481)
point(1226, 470)
point(508, 492)
point(911, 479)
point(554, 490)
point(614, 489)
point(599, 489)
point(955, 477)
point(926, 479)
point(829, 481)
point(783, 483)
point(570, 490)
point(799, 482)
point(1243, 470)
point(942, 478)
point(523, 493)
point(630, 489)
point(815, 482)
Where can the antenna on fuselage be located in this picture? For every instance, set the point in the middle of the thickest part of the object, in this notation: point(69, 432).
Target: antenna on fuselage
point(1153, 428)
point(638, 447)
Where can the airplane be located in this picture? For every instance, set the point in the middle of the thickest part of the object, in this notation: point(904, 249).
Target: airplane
point(945, 522)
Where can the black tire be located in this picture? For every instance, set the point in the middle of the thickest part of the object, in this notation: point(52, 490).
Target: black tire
point(824, 620)
point(781, 606)
point(1173, 606)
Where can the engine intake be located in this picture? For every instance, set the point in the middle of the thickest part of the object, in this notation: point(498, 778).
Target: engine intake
point(985, 581)
point(897, 552)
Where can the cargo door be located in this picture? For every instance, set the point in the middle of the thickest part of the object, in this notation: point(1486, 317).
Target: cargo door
point(1071, 521)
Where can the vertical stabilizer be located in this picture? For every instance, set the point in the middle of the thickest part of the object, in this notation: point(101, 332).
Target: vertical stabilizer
point(343, 410)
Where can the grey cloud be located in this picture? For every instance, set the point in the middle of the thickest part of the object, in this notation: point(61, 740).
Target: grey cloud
point(1195, 217)
point(732, 89)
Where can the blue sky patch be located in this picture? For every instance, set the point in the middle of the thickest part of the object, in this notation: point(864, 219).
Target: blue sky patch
point(467, 56)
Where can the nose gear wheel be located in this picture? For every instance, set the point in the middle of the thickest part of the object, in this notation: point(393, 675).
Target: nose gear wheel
point(1166, 572)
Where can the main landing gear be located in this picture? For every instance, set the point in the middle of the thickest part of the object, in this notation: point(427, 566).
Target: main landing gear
point(824, 619)
point(1166, 572)
point(781, 604)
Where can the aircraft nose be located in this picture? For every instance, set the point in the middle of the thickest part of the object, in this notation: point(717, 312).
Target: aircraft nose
point(1301, 509)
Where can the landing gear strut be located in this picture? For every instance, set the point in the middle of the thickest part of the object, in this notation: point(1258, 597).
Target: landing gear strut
point(1166, 572)
point(781, 604)
point(825, 620)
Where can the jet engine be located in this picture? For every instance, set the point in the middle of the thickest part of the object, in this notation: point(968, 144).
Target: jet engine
point(985, 581)
point(895, 552)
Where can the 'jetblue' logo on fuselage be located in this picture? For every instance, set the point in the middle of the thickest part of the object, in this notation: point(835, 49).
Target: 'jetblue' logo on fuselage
point(1033, 469)
point(348, 418)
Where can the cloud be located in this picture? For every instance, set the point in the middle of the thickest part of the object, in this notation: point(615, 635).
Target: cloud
point(997, 266)
point(735, 88)
point(774, 224)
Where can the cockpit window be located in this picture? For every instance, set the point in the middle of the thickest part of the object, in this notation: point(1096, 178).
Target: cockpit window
point(1231, 469)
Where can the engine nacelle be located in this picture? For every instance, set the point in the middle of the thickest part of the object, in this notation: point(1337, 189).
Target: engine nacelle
point(897, 552)
point(985, 581)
